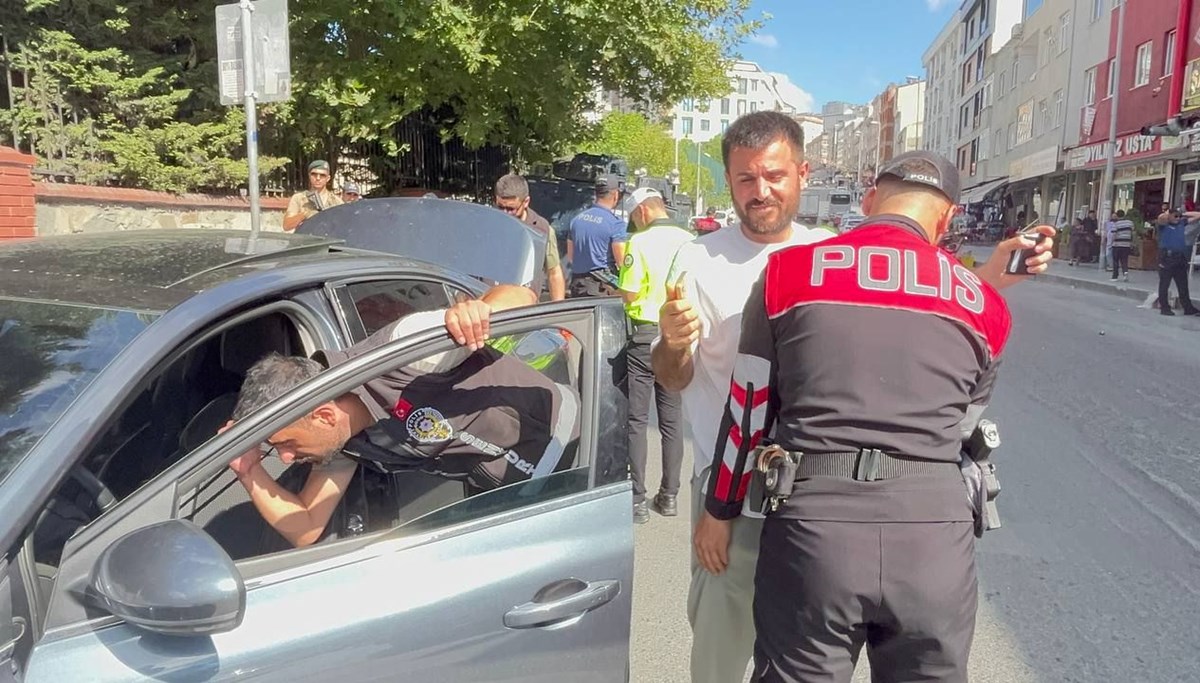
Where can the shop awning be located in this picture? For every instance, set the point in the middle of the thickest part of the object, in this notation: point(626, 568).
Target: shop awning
point(978, 192)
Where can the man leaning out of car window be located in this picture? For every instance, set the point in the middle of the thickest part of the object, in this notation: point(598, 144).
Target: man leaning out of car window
point(472, 414)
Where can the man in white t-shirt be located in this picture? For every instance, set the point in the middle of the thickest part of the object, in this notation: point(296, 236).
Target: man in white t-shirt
point(700, 327)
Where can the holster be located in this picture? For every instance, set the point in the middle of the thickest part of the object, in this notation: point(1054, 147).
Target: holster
point(771, 479)
point(979, 474)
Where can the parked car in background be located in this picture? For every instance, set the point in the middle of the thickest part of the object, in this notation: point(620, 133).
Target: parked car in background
point(134, 552)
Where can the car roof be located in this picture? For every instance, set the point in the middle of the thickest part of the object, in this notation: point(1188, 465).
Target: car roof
point(153, 270)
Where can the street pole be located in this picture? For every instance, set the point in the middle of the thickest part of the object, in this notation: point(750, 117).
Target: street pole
point(1106, 186)
point(698, 193)
point(251, 117)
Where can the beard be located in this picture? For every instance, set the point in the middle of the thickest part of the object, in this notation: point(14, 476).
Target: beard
point(756, 218)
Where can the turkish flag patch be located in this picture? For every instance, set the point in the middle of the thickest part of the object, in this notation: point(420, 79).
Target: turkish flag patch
point(402, 409)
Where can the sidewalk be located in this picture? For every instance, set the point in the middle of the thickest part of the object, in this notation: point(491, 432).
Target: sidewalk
point(1142, 285)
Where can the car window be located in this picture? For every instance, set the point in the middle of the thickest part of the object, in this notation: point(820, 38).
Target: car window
point(381, 303)
point(468, 436)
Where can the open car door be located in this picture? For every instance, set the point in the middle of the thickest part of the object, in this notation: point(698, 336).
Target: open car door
point(530, 582)
point(479, 241)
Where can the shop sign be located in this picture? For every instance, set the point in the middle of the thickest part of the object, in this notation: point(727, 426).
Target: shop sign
point(1143, 171)
point(1127, 147)
point(1089, 120)
point(1191, 85)
point(1036, 164)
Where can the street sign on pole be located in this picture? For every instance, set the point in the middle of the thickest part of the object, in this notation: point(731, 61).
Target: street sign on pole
point(272, 65)
point(1106, 185)
point(266, 57)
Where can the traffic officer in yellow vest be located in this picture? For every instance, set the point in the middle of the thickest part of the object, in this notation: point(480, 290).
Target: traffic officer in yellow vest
point(317, 198)
point(643, 284)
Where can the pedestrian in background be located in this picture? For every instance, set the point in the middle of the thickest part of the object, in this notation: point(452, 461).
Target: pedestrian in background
point(643, 284)
point(512, 197)
point(350, 193)
point(597, 242)
point(304, 205)
point(1174, 255)
point(1120, 238)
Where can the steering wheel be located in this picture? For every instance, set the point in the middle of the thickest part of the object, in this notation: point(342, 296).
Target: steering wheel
point(95, 488)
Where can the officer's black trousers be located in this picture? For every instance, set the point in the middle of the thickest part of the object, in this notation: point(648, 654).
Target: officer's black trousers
point(1174, 266)
point(589, 284)
point(824, 589)
point(641, 387)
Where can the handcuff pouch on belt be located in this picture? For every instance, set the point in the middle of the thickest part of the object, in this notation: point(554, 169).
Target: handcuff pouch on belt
point(980, 475)
point(771, 478)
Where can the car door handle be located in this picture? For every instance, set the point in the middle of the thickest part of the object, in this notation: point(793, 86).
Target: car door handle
point(547, 608)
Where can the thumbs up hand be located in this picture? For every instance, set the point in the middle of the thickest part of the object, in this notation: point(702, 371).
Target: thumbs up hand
point(677, 320)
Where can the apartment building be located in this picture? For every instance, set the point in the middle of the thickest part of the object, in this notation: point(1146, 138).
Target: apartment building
point(986, 27)
point(942, 89)
point(908, 120)
point(751, 89)
point(1032, 76)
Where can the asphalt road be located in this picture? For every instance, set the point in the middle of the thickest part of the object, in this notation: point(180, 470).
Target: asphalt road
point(1095, 575)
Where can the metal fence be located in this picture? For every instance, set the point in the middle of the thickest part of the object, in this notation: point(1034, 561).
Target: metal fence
point(425, 163)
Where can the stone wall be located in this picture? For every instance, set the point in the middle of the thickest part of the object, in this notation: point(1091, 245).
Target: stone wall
point(65, 209)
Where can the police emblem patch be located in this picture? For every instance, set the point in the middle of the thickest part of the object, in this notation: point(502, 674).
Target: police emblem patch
point(628, 260)
point(427, 425)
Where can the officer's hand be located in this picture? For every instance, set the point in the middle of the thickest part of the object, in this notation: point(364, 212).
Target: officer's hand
point(993, 272)
point(677, 320)
point(469, 323)
point(711, 542)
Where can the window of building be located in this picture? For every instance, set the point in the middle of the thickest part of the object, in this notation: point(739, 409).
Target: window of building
point(1097, 9)
point(1089, 86)
point(1059, 108)
point(686, 122)
point(753, 86)
point(1141, 74)
point(741, 86)
point(704, 125)
point(1016, 73)
point(724, 125)
point(1064, 32)
point(983, 16)
point(999, 138)
point(725, 106)
point(1169, 54)
point(741, 107)
point(1003, 83)
point(754, 106)
point(1045, 48)
point(1046, 123)
point(1012, 135)
point(688, 104)
point(1112, 77)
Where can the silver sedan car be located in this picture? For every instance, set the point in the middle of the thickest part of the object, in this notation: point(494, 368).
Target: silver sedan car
point(133, 553)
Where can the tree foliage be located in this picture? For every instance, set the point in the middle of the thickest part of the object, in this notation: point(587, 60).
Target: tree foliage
point(126, 90)
point(648, 145)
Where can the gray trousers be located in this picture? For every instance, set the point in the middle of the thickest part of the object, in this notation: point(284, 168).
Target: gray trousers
point(824, 589)
point(641, 390)
point(721, 608)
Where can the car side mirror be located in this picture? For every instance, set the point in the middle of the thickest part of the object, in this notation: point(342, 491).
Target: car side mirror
point(170, 578)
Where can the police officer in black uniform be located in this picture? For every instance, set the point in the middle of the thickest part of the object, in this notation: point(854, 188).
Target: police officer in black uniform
point(864, 362)
point(472, 414)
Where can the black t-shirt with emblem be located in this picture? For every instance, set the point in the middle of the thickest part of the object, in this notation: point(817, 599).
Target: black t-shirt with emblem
point(490, 419)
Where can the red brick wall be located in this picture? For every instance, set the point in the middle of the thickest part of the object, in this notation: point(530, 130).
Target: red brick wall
point(17, 214)
point(1145, 20)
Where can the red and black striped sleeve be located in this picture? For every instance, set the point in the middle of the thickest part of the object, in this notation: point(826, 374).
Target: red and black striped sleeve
point(749, 410)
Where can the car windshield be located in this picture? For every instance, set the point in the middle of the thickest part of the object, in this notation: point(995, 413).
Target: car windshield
point(51, 353)
point(839, 199)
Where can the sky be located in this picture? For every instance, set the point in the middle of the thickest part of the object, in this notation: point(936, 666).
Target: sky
point(844, 49)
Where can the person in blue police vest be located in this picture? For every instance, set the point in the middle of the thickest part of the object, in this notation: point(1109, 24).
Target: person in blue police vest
point(1176, 233)
point(597, 242)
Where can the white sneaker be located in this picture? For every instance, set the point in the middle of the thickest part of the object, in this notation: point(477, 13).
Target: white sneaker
point(1127, 277)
